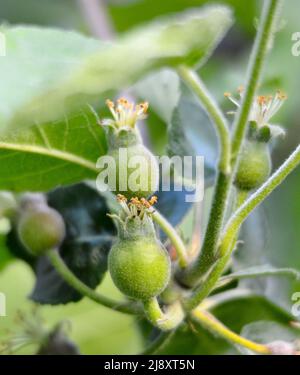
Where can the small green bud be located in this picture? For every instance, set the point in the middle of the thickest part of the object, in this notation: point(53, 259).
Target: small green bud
point(40, 227)
point(254, 166)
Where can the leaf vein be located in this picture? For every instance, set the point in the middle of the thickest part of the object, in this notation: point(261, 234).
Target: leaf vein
point(57, 154)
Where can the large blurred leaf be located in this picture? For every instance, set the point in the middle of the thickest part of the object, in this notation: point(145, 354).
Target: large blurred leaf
point(42, 157)
point(48, 71)
point(124, 12)
point(162, 90)
point(37, 60)
point(191, 133)
point(90, 233)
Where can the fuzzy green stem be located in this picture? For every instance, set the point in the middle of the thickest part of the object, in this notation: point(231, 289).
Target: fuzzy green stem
point(167, 320)
point(241, 196)
point(207, 256)
point(206, 285)
point(231, 230)
point(198, 87)
point(86, 291)
point(262, 42)
point(208, 321)
point(173, 236)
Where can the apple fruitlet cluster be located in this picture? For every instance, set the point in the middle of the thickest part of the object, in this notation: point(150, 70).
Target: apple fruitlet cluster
point(139, 264)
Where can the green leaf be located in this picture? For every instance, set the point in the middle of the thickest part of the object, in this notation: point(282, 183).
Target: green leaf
point(241, 311)
point(37, 60)
point(47, 72)
point(42, 157)
point(90, 233)
point(192, 133)
point(162, 91)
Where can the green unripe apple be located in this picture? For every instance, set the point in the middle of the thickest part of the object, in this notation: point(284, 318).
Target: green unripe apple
point(41, 228)
point(140, 181)
point(136, 168)
point(254, 165)
point(139, 267)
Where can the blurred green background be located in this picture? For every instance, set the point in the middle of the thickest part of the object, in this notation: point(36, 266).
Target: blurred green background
point(96, 329)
